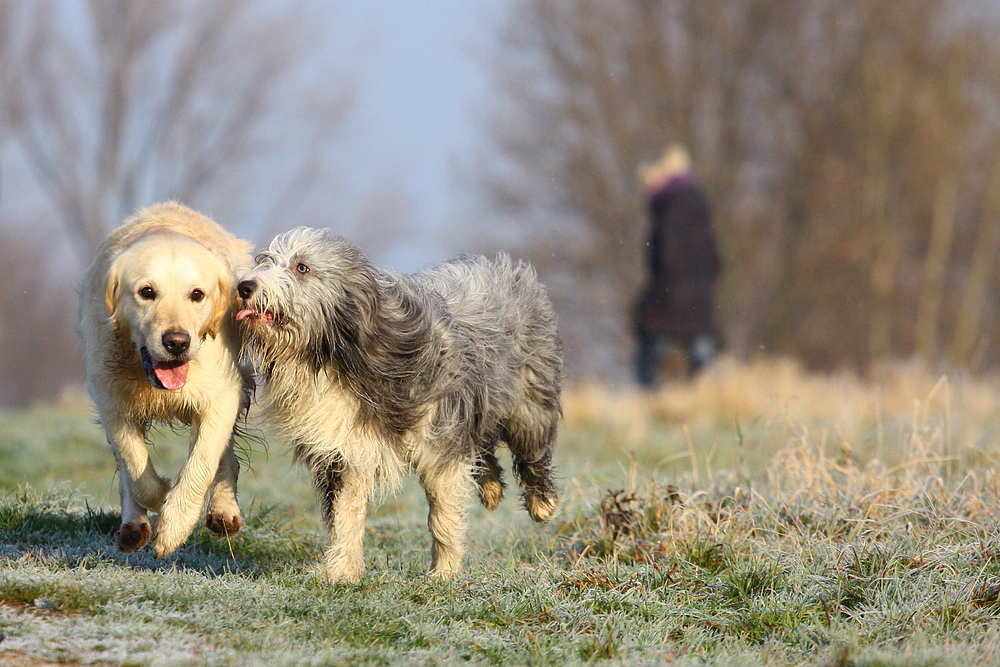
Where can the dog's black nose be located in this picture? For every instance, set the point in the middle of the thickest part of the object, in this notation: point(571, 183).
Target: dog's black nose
point(246, 288)
point(176, 342)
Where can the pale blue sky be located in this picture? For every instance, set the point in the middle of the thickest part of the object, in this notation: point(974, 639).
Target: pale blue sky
point(421, 81)
point(418, 77)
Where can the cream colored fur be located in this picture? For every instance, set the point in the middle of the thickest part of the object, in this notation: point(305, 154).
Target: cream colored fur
point(317, 408)
point(174, 250)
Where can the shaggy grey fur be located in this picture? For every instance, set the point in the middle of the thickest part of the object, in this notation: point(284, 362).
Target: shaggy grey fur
point(369, 372)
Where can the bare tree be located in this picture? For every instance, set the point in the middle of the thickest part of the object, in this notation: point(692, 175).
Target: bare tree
point(118, 103)
point(108, 105)
point(38, 347)
point(846, 144)
point(594, 88)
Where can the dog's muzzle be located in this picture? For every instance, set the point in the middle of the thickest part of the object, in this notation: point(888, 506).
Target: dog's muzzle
point(246, 289)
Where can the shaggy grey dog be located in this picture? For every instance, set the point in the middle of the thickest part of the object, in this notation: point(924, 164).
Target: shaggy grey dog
point(369, 373)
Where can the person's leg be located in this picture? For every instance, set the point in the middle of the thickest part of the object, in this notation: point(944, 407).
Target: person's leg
point(700, 351)
point(649, 354)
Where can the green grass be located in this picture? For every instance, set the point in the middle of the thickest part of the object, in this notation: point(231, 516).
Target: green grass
point(869, 539)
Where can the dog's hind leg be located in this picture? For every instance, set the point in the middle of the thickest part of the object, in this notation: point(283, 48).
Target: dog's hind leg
point(223, 517)
point(447, 491)
point(128, 441)
point(344, 495)
point(489, 480)
point(531, 438)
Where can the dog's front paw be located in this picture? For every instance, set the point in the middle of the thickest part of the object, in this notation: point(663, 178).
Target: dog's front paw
point(338, 576)
point(166, 536)
point(223, 524)
point(491, 493)
point(163, 547)
point(444, 571)
point(132, 537)
point(446, 560)
point(342, 569)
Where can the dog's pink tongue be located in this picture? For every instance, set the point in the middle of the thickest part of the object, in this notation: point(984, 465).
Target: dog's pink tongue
point(171, 375)
point(249, 312)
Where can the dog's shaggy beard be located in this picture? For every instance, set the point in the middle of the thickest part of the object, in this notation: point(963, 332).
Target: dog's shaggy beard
point(320, 303)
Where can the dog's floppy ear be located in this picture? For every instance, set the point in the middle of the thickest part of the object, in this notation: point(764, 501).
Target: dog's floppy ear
point(112, 299)
point(223, 302)
point(112, 290)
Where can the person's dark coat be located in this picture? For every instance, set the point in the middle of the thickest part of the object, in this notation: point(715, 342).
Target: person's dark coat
point(683, 263)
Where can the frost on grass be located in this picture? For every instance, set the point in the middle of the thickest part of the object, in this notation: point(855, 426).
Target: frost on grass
point(823, 551)
point(757, 516)
point(805, 500)
point(49, 636)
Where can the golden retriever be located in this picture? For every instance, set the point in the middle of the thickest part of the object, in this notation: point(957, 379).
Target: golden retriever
point(162, 347)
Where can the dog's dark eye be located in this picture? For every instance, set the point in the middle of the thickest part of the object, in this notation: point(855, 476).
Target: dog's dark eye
point(147, 293)
point(303, 269)
point(197, 295)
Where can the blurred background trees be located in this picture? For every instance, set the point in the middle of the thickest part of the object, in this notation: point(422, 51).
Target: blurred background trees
point(197, 101)
point(850, 148)
point(110, 105)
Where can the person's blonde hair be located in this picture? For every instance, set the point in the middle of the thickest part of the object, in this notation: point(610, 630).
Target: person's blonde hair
point(674, 161)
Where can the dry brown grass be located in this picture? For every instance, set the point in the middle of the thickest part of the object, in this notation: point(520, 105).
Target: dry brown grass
point(782, 389)
point(739, 415)
point(814, 517)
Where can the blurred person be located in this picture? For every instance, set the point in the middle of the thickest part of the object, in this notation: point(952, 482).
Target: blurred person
point(676, 305)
